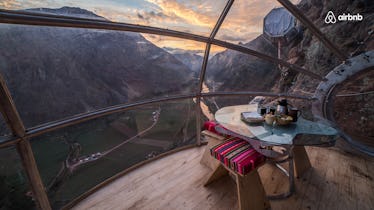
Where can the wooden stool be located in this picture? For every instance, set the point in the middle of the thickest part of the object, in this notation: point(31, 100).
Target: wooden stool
point(250, 191)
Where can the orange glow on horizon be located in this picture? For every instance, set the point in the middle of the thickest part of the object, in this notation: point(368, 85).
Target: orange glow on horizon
point(242, 24)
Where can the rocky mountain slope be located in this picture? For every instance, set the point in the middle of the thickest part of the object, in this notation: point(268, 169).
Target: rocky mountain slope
point(351, 37)
point(231, 70)
point(68, 11)
point(353, 114)
point(58, 72)
point(191, 60)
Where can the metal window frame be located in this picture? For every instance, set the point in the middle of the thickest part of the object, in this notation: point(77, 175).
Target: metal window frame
point(80, 118)
point(313, 28)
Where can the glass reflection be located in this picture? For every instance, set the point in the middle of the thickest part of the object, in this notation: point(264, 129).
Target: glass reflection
point(244, 22)
point(14, 189)
point(341, 33)
point(234, 71)
point(196, 16)
point(54, 73)
point(4, 130)
point(77, 158)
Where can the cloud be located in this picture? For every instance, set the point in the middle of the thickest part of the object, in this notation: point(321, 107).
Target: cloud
point(185, 13)
point(242, 24)
point(152, 17)
point(244, 21)
point(10, 4)
point(180, 51)
point(171, 42)
point(24, 4)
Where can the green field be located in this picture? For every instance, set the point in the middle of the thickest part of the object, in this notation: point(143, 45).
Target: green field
point(176, 126)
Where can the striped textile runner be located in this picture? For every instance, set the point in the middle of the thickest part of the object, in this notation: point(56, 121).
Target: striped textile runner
point(238, 155)
point(211, 126)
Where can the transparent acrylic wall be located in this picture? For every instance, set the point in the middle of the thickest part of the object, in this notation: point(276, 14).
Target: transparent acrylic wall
point(4, 130)
point(314, 56)
point(15, 192)
point(235, 71)
point(75, 159)
point(340, 33)
point(215, 103)
point(198, 17)
point(54, 73)
point(244, 23)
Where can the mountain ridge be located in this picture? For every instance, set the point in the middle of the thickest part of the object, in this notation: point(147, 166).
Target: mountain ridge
point(68, 11)
point(54, 72)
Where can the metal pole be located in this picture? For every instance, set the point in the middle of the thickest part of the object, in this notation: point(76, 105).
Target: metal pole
point(15, 123)
point(9, 111)
point(221, 19)
point(32, 18)
point(315, 31)
point(198, 121)
point(279, 53)
point(204, 65)
point(198, 95)
point(28, 161)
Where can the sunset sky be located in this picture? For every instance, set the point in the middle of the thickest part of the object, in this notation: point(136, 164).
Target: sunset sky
point(242, 24)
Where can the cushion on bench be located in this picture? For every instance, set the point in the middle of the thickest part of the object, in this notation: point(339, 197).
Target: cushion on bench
point(235, 153)
point(238, 155)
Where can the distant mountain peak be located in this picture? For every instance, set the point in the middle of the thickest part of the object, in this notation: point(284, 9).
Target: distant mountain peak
point(68, 11)
point(182, 51)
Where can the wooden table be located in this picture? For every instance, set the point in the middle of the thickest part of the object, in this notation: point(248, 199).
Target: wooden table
point(276, 142)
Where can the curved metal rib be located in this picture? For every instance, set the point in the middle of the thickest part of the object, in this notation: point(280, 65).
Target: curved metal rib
point(30, 18)
point(309, 24)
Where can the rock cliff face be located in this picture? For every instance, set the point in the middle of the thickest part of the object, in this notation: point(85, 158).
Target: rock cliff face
point(353, 114)
point(58, 72)
point(68, 11)
point(351, 37)
point(191, 60)
point(231, 70)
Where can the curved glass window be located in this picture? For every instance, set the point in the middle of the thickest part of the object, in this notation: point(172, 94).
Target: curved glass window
point(244, 22)
point(196, 16)
point(75, 159)
point(14, 189)
point(235, 71)
point(4, 130)
point(54, 73)
point(314, 56)
point(244, 25)
point(340, 33)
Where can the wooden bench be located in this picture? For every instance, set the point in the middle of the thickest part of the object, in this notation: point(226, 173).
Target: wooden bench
point(250, 191)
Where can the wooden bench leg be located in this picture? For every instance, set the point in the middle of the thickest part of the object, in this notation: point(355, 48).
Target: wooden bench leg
point(251, 193)
point(301, 160)
point(218, 170)
point(217, 173)
point(207, 159)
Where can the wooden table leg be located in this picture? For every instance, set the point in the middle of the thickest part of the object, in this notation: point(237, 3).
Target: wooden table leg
point(301, 160)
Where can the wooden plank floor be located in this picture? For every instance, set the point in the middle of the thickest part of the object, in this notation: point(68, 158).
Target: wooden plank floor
point(338, 180)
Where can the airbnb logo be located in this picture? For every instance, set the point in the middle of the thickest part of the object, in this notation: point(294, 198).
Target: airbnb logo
point(331, 19)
